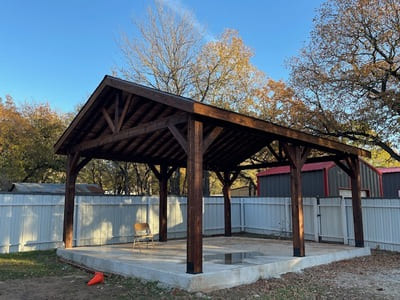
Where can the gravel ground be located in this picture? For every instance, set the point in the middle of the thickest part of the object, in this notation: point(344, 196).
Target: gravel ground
point(372, 277)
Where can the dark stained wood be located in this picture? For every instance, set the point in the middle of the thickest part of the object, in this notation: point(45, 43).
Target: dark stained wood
point(178, 136)
point(181, 103)
point(73, 168)
point(163, 175)
point(129, 133)
point(116, 109)
point(286, 163)
point(234, 145)
point(297, 156)
point(78, 118)
point(124, 111)
point(143, 116)
point(244, 152)
point(163, 229)
point(211, 137)
point(195, 197)
point(167, 146)
point(356, 201)
point(155, 171)
point(278, 156)
point(69, 201)
point(227, 179)
point(287, 134)
point(353, 170)
point(108, 119)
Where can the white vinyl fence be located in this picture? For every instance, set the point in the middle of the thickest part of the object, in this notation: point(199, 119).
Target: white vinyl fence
point(34, 222)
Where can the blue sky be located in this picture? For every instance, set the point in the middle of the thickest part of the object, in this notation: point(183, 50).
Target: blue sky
point(58, 51)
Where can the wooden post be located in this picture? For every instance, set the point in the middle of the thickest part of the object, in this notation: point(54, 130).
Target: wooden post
point(195, 197)
point(163, 175)
point(163, 203)
point(227, 209)
point(297, 156)
point(73, 168)
point(227, 180)
point(297, 211)
point(69, 202)
point(353, 170)
point(356, 200)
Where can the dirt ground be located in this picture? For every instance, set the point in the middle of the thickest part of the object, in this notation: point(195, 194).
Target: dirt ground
point(373, 277)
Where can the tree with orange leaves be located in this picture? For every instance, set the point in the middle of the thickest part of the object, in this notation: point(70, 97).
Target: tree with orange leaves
point(349, 73)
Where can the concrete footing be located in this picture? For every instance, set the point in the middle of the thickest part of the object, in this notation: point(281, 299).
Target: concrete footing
point(228, 261)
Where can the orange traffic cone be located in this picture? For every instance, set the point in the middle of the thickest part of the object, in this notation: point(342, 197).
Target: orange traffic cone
point(98, 278)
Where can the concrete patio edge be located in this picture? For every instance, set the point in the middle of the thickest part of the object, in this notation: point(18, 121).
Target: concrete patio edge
point(210, 280)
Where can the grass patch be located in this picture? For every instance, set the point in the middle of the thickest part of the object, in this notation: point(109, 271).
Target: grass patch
point(32, 264)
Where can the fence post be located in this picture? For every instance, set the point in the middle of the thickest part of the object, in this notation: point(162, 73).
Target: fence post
point(344, 220)
point(287, 216)
point(242, 224)
point(77, 221)
point(148, 211)
point(315, 217)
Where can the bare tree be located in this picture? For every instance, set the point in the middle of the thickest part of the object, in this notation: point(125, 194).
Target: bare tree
point(164, 54)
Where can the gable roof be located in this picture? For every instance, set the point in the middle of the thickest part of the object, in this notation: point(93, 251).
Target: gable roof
point(126, 121)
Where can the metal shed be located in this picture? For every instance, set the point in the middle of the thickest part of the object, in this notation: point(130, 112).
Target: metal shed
point(390, 182)
point(54, 188)
point(319, 180)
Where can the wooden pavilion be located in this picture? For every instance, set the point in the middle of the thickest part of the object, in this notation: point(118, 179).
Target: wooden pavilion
point(125, 121)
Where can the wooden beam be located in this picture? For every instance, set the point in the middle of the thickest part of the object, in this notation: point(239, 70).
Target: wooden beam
point(286, 163)
point(356, 201)
point(272, 151)
point(179, 137)
point(124, 112)
point(345, 168)
point(116, 110)
point(297, 155)
point(82, 163)
point(226, 191)
point(171, 170)
point(211, 137)
point(195, 197)
point(163, 182)
point(155, 171)
point(130, 133)
point(283, 133)
point(72, 170)
point(108, 119)
point(353, 170)
point(230, 119)
point(227, 179)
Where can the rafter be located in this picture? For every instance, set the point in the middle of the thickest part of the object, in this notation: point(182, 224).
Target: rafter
point(123, 114)
point(178, 136)
point(132, 132)
point(108, 119)
point(211, 137)
point(286, 162)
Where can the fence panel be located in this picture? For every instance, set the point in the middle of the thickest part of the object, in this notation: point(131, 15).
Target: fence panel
point(331, 219)
point(34, 222)
point(381, 223)
point(30, 222)
point(267, 216)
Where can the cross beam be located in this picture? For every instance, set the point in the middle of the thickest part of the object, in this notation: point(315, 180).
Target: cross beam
point(145, 128)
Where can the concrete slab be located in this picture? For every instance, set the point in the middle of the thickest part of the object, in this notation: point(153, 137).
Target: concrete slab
point(228, 261)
